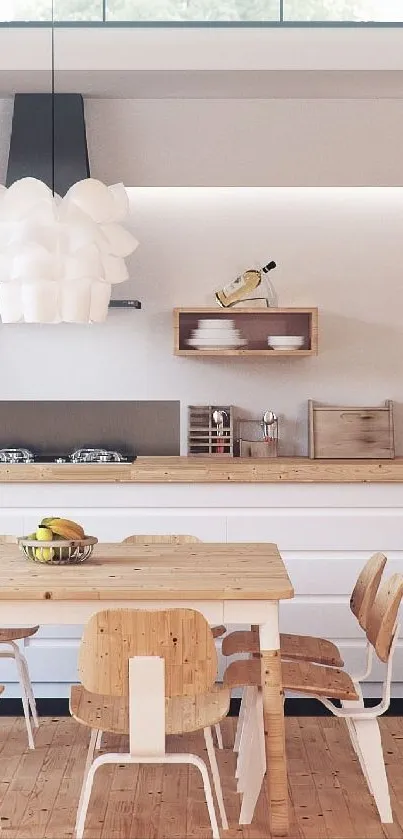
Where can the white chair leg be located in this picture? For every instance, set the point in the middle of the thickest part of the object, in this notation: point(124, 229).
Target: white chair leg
point(370, 745)
point(240, 722)
point(85, 795)
point(247, 702)
point(216, 777)
point(24, 694)
point(218, 734)
point(194, 760)
point(255, 768)
point(98, 740)
point(246, 736)
point(358, 703)
point(30, 692)
point(207, 791)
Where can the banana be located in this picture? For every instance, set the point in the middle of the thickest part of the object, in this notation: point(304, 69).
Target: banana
point(66, 529)
point(44, 534)
point(44, 554)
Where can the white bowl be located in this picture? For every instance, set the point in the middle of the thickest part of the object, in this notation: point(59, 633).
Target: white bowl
point(216, 323)
point(282, 342)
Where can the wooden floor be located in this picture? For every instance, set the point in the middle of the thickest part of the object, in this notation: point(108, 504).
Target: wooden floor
point(329, 800)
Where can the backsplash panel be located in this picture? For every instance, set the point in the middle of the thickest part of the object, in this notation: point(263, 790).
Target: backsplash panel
point(146, 427)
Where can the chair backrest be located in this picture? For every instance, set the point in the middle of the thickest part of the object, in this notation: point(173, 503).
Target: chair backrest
point(7, 540)
point(169, 539)
point(181, 636)
point(383, 616)
point(366, 587)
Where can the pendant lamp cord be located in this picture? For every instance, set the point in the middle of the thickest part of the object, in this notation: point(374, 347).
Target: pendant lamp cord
point(53, 96)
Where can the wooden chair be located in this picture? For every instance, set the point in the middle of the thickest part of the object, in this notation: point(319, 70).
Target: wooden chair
point(327, 684)
point(148, 674)
point(176, 539)
point(10, 649)
point(308, 648)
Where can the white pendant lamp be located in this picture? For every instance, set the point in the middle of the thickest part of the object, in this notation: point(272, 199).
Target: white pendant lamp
point(60, 257)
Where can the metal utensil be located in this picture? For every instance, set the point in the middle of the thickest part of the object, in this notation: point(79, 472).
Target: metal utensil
point(218, 419)
point(269, 419)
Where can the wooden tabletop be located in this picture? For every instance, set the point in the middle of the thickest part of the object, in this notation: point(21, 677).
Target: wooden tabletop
point(205, 571)
point(208, 470)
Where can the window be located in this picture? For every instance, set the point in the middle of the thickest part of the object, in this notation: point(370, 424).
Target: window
point(343, 10)
point(194, 10)
point(204, 11)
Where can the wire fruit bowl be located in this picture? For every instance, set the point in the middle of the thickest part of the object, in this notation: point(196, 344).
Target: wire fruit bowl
point(58, 551)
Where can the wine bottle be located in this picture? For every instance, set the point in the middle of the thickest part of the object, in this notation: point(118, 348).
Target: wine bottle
point(243, 286)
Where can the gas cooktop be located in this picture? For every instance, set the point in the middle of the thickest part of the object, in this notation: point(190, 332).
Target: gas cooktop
point(87, 455)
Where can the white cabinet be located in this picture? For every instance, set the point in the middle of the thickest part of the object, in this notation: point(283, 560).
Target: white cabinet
point(325, 534)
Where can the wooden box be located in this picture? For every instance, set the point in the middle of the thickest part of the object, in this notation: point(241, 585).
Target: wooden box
point(348, 432)
point(205, 438)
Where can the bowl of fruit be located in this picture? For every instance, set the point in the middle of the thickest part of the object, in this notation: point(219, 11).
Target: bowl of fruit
point(58, 541)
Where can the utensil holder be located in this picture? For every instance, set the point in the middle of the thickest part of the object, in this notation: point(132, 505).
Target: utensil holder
point(252, 442)
point(205, 438)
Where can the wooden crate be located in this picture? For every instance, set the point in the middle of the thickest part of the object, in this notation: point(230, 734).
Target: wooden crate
point(350, 432)
point(204, 438)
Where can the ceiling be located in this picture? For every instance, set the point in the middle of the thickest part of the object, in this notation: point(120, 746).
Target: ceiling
point(216, 64)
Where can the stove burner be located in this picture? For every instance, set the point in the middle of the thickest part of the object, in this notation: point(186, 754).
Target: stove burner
point(97, 456)
point(88, 455)
point(16, 456)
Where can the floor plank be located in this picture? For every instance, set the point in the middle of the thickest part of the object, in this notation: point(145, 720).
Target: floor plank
point(39, 789)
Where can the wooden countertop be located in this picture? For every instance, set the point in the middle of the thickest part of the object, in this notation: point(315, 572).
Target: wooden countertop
point(194, 470)
point(151, 572)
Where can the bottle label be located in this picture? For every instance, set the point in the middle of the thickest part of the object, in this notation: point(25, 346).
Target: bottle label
point(247, 280)
point(235, 285)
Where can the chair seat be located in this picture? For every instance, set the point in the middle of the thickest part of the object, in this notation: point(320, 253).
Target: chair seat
point(298, 676)
point(183, 714)
point(294, 647)
point(16, 633)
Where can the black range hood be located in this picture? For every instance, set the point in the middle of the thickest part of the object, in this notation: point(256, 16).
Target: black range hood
point(49, 142)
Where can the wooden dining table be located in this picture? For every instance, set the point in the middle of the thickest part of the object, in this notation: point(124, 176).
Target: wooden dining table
point(230, 583)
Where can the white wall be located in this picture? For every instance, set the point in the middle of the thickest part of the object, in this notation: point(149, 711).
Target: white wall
point(339, 249)
point(246, 142)
point(239, 142)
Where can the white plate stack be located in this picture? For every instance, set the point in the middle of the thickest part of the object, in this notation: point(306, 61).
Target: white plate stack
point(216, 334)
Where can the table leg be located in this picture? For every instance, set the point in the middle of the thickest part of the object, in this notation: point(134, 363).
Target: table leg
point(273, 713)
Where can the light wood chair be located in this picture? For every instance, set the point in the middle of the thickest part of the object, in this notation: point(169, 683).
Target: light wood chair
point(327, 684)
point(9, 648)
point(148, 674)
point(175, 539)
point(308, 648)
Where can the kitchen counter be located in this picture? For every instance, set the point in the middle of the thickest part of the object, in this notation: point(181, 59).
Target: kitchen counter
point(194, 470)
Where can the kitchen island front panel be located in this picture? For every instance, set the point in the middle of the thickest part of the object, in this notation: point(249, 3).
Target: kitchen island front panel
point(325, 533)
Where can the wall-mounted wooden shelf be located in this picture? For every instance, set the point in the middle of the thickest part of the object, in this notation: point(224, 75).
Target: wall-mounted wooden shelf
point(255, 324)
